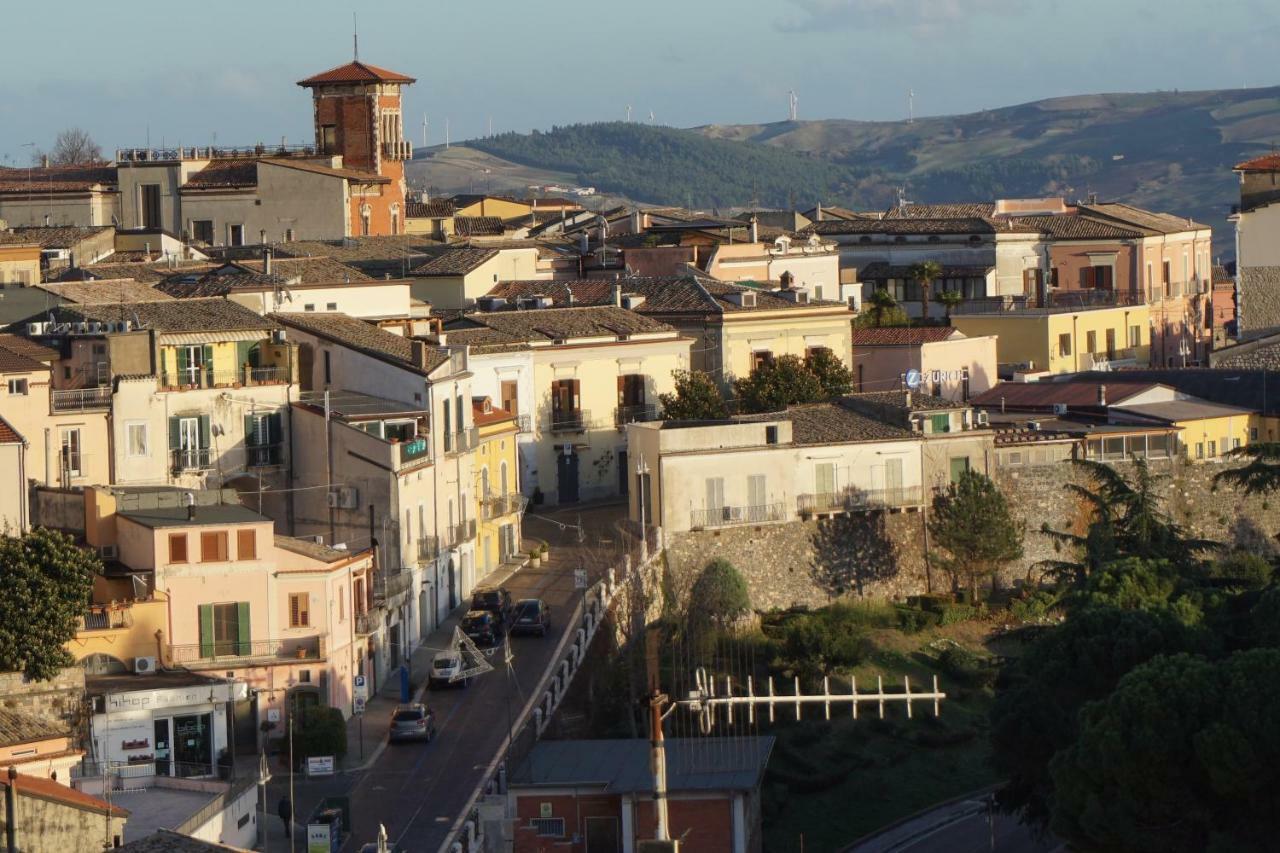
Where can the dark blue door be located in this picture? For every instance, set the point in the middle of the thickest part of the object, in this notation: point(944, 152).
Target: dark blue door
point(567, 477)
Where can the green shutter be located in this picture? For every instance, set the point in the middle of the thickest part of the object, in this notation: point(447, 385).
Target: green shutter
point(206, 630)
point(242, 620)
point(206, 440)
point(250, 439)
point(183, 363)
point(275, 424)
point(175, 434)
point(208, 362)
point(242, 353)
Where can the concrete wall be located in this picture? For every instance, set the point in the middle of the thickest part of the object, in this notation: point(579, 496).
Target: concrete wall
point(1258, 230)
point(1033, 336)
point(373, 300)
point(881, 368)
point(49, 827)
point(82, 208)
point(15, 515)
point(59, 699)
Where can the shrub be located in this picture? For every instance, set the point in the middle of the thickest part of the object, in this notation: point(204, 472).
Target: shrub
point(719, 595)
point(1033, 608)
point(817, 644)
point(966, 667)
point(912, 620)
point(956, 613)
point(319, 730)
point(1242, 568)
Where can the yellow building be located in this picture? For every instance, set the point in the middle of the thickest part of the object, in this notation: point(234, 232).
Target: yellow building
point(497, 472)
point(1206, 430)
point(1062, 340)
point(19, 261)
point(489, 205)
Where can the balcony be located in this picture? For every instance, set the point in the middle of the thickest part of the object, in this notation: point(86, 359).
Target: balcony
point(264, 455)
point(859, 500)
point(428, 548)
point(461, 532)
point(389, 585)
point(231, 654)
point(1104, 360)
point(640, 413)
point(195, 459)
point(366, 623)
point(206, 377)
point(416, 449)
point(462, 440)
point(1057, 302)
point(522, 424)
point(81, 399)
point(728, 516)
point(495, 506)
point(569, 420)
point(400, 149)
point(102, 617)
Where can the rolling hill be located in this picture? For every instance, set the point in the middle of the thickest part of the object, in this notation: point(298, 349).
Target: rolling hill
point(1169, 151)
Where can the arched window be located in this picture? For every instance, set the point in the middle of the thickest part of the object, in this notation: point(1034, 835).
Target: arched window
point(366, 213)
point(484, 482)
point(395, 219)
point(502, 476)
point(102, 664)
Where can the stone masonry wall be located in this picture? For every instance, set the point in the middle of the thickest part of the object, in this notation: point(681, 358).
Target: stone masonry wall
point(882, 555)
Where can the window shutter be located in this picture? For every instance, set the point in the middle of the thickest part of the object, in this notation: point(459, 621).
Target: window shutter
point(208, 360)
point(622, 390)
point(206, 440)
point(183, 362)
point(175, 434)
point(242, 620)
point(206, 630)
point(275, 433)
point(250, 439)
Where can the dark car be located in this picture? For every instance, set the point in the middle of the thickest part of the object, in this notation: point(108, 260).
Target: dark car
point(496, 600)
point(413, 722)
point(531, 616)
point(482, 627)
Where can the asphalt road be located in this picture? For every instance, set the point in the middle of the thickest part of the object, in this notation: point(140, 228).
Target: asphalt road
point(962, 827)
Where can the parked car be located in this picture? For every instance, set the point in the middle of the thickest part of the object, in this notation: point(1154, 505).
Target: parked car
point(413, 722)
point(531, 616)
point(496, 600)
point(445, 667)
point(482, 627)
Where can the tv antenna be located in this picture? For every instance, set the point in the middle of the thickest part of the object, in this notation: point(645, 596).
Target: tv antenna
point(794, 101)
point(628, 113)
point(355, 39)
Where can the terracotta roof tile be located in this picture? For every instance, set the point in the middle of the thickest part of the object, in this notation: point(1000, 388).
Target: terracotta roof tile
point(17, 727)
point(478, 226)
point(362, 337)
point(47, 789)
point(831, 423)
point(110, 290)
point(8, 435)
point(437, 208)
point(147, 272)
point(1265, 163)
point(57, 179)
point(356, 72)
point(1043, 395)
point(663, 295)
point(224, 174)
point(898, 336)
point(502, 329)
point(321, 169)
point(29, 348)
point(59, 236)
point(454, 262)
point(14, 362)
point(173, 315)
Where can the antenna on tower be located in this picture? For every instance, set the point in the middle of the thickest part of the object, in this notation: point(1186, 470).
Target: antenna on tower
point(490, 127)
point(794, 101)
point(355, 38)
point(628, 113)
point(911, 106)
point(650, 116)
point(424, 130)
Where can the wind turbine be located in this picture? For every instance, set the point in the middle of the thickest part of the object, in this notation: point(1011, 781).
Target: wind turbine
point(794, 100)
point(628, 113)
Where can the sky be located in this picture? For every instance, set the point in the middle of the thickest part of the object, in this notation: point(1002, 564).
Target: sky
point(224, 73)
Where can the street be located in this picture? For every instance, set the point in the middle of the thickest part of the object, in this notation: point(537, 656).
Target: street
point(958, 827)
point(418, 790)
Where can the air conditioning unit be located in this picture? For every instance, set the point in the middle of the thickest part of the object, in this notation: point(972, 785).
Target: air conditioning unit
point(109, 552)
point(277, 336)
point(1059, 408)
point(36, 328)
point(349, 497)
point(143, 666)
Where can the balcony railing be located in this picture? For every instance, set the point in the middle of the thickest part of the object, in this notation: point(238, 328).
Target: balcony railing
point(494, 506)
point(233, 653)
point(462, 440)
point(264, 456)
point(624, 415)
point(81, 399)
point(726, 516)
point(415, 449)
point(400, 149)
point(210, 152)
point(388, 584)
point(859, 500)
point(463, 531)
point(1104, 359)
point(198, 459)
point(569, 420)
point(104, 618)
point(428, 548)
point(522, 424)
point(1058, 302)
point(204, 377)
point(366, 623)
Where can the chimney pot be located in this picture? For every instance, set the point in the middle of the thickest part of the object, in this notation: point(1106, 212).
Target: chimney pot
point(755, 229)
point(1102, 395)
point(617, 295)
point(266, 260)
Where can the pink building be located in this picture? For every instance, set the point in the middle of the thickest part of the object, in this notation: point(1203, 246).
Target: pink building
point(950, 364)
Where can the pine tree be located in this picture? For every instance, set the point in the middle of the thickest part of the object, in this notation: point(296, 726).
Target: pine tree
point(973, 525)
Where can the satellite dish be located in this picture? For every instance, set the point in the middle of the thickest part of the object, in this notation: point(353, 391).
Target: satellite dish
point(913, 378)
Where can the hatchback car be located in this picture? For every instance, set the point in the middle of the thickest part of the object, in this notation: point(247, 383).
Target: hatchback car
point(412, 722)
point(482, 627)
point(532, 616)
point(496, 600)
point(445, 668)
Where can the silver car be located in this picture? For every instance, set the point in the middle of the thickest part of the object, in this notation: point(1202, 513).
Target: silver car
point(445, 668)
point(412, 722)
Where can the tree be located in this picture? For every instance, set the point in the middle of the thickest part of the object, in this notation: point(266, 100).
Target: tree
point(319, 730)
point(1040, 694)
point(73, 147)
point(47, 582)
point(881, 309)
point(836, 379)
point(719, 596)
point(697, 398)
point(1260, 474)
point(926, 273)
point(774, 385)
point(1183, 756)
point(972, 523)
point(950, 300)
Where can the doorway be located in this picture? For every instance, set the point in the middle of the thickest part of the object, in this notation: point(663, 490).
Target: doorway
point(602, 835)
point(567, 477)
point(624, 481)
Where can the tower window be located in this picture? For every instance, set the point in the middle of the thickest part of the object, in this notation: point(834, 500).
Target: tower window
point(328, 138)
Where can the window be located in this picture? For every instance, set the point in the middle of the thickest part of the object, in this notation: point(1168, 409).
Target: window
point(1165, 274)
point(1064, 345)
point(959, 464)
point(1199, 450)
point(18, 387)
point(771, 435)
point(759, 358)
point(510, 397)
point(310, 306)
point(70, 444)
point(940, 423)
point(328, 139)
point(1135, 336)
point(288, 235)
point(135, 437)
point(189, 442)
point(328, 371)
point(331, 306)
point(757, 493)
point(224, 629)
point(202, 231)
point(1253, 433)
point(502, 478)
point(1213, 449)
point(149, 205)
point(565, 403)
point(263, 437)
point(715, 494)
point(246, 545)
point(177, 547)
point(235, 235)
point(448, 431)
point(1235, 444)
point(1096, 277)
point(1111, 343)
point(213, 547)
point(299, 610)
point(548, 827)
point(824, 478)
point(1091, 342)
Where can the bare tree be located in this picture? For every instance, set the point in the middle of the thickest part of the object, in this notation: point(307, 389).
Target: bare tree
point(74, 146)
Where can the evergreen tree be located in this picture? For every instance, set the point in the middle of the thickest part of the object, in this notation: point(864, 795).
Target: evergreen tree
point(697, 398)
point(47, 582)
point(972, 523)
point(836, 379)
point(774, 385)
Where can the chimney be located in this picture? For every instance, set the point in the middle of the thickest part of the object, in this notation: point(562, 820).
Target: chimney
point(1102, 395)
point(266, 260)
point(817, 213)
point(637, 221)
point(617, 295)
point(584, 242)
point(788, 280)
point(419, 353)
point(44, 161)
point(755, 229)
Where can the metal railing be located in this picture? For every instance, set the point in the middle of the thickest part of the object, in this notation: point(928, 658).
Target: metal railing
point(856, 500)
point(389, 584)
point(264, 455)
point(232, 652)
point(463, 531)
point(1058, 302)
point(569, 420)
point(198, 459)
point(415, 449)
point(400, 149)
point(210, 152)
point(80, 399)
point(366, 623)
point(640, 413)
point(522, 424)
point(462, 440)
point(428, 548)
point(1103, 359)
point(726, 516)
point(207, 378)
point(494, 506)
point(103, 618)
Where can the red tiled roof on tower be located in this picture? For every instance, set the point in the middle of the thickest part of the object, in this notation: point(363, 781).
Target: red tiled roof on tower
point(356, 72)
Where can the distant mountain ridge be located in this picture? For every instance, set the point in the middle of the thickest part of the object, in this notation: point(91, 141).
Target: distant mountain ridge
point(1167, 151)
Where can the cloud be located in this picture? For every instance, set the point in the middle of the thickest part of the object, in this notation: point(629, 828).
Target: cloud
point(922, 17)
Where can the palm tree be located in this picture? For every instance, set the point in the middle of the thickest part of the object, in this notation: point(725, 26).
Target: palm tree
point(881, 304)
point(926, 273)
point(950, 300)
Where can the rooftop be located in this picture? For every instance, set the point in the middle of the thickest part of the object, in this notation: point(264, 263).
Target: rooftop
point(830, 423)
point(1044, 395)
point(622, 765)
point(478, 226)
point(54, 792)
point(149, 272)
point(663, 295)
point(58, 236)
point(354, 406)
point(900, 336)
point(17, 727)
point(1180, 410)
point(58, 179)
point(9, 435)
point(313, 550)
point(436, 208)
point(99, 292)
point(355, 72)
point(172, 315)
point(168, 841)
point(549, 325)
point(130, 682)
point(181, 516)
point(363, 337)
point(451, 262)
point(916, 402)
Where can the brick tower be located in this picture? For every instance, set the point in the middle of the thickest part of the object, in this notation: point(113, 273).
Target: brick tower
point(358, 117)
